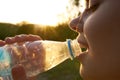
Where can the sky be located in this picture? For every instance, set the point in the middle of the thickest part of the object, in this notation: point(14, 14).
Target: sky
point(45, 12)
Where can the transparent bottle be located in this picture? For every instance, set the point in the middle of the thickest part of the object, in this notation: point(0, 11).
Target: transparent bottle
point(37, 56)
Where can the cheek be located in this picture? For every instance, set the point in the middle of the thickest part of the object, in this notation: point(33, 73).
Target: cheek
point(92, 26)
point(99, 24)
point(97, 33)
point(91, 30)
point(95, 29)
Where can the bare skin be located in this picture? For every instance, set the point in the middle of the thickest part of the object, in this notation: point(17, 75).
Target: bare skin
point(99, 33)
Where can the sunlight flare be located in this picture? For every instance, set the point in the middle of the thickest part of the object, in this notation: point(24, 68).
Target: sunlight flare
point(82, 5)
point(34, 11)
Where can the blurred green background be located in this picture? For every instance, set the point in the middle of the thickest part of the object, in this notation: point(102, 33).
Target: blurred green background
point(69, 69)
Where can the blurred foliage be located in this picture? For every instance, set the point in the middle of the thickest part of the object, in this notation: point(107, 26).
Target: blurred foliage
point(68, 70)
point(7, 29)
point(76, 2)
point(25, 29)
point(58, 33)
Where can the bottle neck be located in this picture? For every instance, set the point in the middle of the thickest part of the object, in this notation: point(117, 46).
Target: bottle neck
point(73, 48)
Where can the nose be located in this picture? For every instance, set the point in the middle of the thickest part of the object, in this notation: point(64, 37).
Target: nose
point(76, 24)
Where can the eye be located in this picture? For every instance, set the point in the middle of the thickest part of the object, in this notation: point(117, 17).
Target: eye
point(88, 11)
point(92, 8)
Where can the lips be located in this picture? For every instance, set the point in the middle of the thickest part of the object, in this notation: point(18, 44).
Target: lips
point(82, 41)
point(83, 44)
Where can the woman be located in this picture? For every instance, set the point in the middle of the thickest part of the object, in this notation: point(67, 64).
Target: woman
point(99, 33)
point(99, 28)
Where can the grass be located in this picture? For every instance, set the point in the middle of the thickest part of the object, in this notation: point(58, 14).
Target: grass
point(68, 70)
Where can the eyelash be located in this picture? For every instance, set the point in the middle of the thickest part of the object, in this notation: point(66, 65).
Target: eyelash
point(88, 11)
point(92, 8)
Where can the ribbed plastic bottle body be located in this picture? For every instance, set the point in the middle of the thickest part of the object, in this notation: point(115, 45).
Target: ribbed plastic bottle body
point(37, 56)
point(54, 53)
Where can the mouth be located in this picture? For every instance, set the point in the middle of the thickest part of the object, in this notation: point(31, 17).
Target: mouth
point(83, 44)
point(82, 41)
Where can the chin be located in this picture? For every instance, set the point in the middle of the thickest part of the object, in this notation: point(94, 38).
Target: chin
point(82, 72)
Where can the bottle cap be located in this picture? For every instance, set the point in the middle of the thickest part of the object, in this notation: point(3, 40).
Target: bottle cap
point(70, 48)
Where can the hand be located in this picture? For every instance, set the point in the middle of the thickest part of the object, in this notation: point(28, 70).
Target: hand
point(18, 71)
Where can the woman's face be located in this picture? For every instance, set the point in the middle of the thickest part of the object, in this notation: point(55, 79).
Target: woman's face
point(99, 28)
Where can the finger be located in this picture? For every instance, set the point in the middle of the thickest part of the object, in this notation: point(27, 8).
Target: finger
point(30, 37)
point(9, 40)
point(33, 37)
point(2, 43)
point(20, 38)
point(18, 73)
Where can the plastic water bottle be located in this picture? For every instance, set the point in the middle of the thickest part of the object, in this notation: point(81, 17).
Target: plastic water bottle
point(36, 56)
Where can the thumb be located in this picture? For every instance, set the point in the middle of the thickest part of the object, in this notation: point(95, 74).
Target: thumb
point(18, 73)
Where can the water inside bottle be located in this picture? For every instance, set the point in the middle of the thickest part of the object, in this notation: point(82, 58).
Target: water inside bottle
point(49, 54)
point(36, 57)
